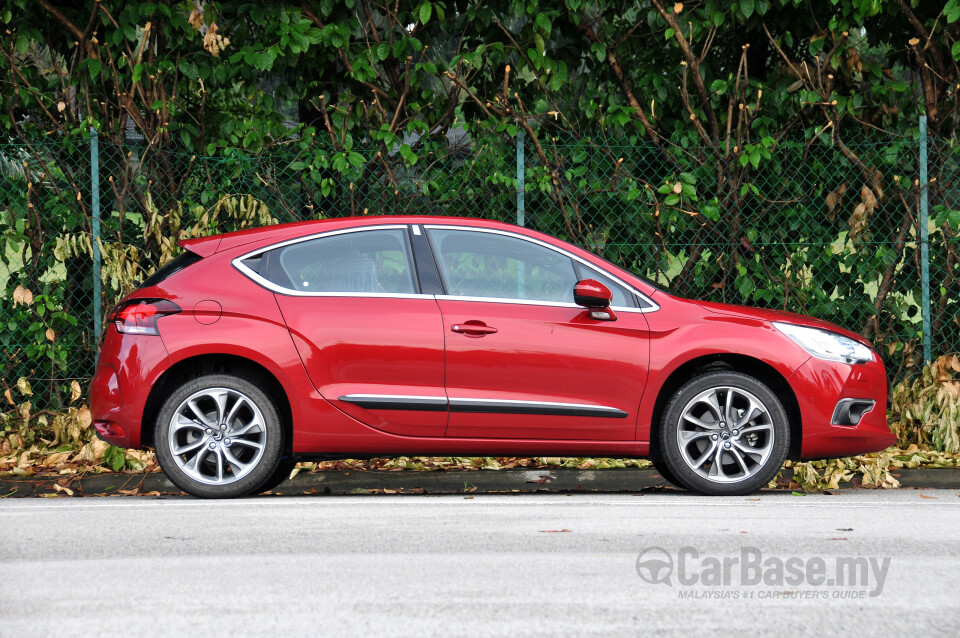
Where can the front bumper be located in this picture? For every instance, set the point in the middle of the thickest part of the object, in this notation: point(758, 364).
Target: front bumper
point(820, 386)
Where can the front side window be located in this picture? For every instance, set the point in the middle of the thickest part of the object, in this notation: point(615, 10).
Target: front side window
point(368, 261)
point(479, 264)
point(622, 298)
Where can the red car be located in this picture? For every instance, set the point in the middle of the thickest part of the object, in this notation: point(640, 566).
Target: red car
point(439, 336)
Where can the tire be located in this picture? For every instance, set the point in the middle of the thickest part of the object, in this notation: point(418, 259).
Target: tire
point(279, 476)
point(660, 465)
point(709, 454)
point(219, 436)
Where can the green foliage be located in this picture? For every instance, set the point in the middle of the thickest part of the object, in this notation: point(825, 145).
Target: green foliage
point(754, 151)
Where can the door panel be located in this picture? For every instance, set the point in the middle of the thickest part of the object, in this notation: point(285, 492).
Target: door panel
point(546, 373)
point(355, 347)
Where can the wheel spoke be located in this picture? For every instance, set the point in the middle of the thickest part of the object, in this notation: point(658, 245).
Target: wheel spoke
point(743, 465)
point(233, 410)
point(716, 468)
point(234, 461)
point(714, 403)
point(247, 429)
point(693, 436)
point(706, 455)
point(753, 412)
point(728, 409)
point(255, 445)
point(759, 453)
point(191, 465)
point(192, 404)
point(760, 427)
point(190, 447)
point(700, 423)
point(221, 399)
point(219, 454)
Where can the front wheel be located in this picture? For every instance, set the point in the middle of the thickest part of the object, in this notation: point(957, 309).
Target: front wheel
point(219, 436)
point(724, 433)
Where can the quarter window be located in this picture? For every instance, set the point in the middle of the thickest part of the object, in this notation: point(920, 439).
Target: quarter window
point(368, 261)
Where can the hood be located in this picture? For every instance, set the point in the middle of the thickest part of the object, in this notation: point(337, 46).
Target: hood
point(779, 315)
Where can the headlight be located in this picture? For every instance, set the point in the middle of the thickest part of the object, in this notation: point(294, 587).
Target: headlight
point(826, 345)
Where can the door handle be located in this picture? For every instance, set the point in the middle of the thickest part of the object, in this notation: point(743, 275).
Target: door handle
point(472, 329)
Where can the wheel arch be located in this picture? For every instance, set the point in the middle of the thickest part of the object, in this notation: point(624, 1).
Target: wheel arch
point(763, 372)
point(199, 365)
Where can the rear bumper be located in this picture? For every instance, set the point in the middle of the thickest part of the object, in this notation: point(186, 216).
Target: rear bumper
point(819, 386)
point(120, 386)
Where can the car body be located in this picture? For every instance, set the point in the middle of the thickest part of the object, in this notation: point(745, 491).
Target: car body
point(410, 335)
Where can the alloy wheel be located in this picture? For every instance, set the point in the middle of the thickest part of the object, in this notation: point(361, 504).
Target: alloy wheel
point(217, 435)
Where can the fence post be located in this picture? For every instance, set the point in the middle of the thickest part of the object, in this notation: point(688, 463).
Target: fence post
point(521, 215)
point(95, 228)
point(924, 240)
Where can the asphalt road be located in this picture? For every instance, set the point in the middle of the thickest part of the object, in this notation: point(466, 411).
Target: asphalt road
point(583, 564)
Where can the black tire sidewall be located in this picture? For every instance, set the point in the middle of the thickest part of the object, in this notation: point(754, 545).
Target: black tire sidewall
point(686, 476)
point(266, 466)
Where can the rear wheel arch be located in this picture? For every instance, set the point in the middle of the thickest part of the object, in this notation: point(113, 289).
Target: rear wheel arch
point(200, 365)
point(756, 368)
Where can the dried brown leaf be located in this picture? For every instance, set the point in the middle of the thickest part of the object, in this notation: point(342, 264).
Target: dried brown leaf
point(84, 418)
point(22, 296)
point(196, 19)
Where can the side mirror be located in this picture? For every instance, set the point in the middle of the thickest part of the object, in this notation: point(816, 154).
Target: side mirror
point(596, 297)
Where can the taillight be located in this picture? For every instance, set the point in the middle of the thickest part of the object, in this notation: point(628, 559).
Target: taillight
point(139, 316)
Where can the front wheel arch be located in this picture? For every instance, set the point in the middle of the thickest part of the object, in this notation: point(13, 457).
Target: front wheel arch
point(734, 363)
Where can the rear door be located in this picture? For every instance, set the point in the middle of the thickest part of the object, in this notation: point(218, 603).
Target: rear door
point(522, 360)
point(371, 343)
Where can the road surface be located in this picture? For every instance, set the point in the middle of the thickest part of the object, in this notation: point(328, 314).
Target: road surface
point(858, 563)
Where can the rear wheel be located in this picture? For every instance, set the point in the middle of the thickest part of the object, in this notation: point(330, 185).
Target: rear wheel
point(219, 436)
point(724, 433)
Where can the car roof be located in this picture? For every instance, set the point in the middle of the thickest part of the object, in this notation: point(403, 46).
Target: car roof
point(206, 246)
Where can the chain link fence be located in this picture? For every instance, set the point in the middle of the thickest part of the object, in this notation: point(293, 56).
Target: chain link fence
point(815, 226)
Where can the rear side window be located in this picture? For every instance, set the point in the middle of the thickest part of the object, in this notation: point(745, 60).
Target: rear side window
point(175, 265)
point(369, 261)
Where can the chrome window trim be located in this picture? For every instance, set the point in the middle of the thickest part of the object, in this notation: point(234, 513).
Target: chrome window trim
point(495, 231)
point(269, 285)
point(237, 263)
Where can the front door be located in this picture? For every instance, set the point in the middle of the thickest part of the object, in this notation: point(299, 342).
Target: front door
point(522, 360)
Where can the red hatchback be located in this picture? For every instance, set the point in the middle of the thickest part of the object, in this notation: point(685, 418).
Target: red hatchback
point(429, 335)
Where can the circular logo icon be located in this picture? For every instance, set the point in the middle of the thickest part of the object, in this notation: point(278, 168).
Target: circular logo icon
point(655, 565)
